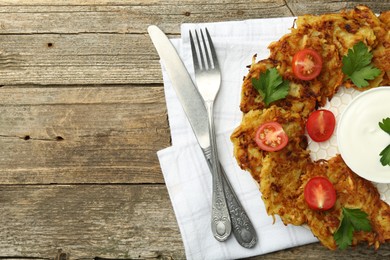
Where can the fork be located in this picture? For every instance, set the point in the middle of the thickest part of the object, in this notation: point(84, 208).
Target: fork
point(208, 80)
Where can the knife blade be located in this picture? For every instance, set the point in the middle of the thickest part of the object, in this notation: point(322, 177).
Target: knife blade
point(196, 113)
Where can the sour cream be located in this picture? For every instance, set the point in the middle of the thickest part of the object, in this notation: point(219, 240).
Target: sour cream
point(360, 139)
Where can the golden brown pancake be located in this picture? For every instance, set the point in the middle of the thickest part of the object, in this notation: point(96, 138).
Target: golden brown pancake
point(352, 192)
point(280, 182)
point(246, 151)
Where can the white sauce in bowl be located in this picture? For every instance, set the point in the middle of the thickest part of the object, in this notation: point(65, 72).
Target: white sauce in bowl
point(359, 137)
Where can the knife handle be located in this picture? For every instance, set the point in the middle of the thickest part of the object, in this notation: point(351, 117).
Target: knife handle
point(243, 229)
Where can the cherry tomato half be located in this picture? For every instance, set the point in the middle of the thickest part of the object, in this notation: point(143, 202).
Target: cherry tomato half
point(306, 64)
point(271, 137)
point(319, 193)
point(320, 125)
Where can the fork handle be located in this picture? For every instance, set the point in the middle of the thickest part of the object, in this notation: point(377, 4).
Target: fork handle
point(221, 225)
point(242, 226)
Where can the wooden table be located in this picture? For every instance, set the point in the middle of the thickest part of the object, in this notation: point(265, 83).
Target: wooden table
point(82, 115)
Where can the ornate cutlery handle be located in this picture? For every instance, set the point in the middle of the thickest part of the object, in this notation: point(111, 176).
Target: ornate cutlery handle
point(243, 229)
point(221, 225)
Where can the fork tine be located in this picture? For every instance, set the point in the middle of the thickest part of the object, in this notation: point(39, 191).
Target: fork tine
point(194, 53)
point(212, 50)
point(203, 62)
point(206, 50)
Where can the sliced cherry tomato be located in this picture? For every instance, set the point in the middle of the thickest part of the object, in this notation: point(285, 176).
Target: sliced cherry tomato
point(306, 64)
point(319, 193)
point(320, 125)
point(271, 137)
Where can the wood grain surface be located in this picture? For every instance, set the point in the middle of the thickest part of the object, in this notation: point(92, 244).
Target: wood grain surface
point(82, 115)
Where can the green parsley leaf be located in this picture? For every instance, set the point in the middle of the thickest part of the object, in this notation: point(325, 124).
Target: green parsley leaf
point(385, 125)
point(358, 219)
point(360, 77)
point(385, 159)
point(385, 154)
point(351, 220)
point(357, 65)
point(271, 86)
point(343, 235)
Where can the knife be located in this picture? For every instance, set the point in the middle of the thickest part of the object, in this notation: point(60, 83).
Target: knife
point(196, 113)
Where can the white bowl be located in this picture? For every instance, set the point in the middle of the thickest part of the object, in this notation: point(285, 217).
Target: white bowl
point(359, 137)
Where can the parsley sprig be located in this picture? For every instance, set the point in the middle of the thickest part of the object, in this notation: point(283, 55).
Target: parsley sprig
point(271, 86)
point(357, 65)
point(385, 125)
point(385, 154)
point(351, 220)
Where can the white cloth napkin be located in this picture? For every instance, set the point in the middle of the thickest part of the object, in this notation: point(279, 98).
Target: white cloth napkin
point(186, 174)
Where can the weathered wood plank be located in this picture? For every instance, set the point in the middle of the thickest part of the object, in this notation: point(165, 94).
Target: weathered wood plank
point(31, 95)
point(78, 59)
point(82, 135)
point(110, 221)
point(126, 16)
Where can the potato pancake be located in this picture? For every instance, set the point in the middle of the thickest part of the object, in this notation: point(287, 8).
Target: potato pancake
point(280, 182)
point(282, 175)
point(246, 151)
point(299, 99)
point(352, 192)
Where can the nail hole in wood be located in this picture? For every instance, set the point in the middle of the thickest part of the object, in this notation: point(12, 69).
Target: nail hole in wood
point(63, 256)
point(50, 44)
point(27, 137)
point(59, 138)
point(187, 13)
